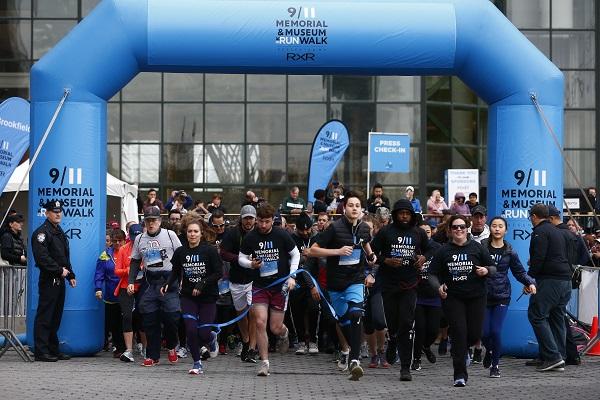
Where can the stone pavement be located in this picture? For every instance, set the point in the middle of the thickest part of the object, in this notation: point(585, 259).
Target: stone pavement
point(292, 377)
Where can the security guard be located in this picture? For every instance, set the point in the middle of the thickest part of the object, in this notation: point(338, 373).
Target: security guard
point(51, 253)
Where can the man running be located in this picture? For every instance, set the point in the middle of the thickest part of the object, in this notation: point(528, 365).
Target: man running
point(271, 251)
point(343, 243)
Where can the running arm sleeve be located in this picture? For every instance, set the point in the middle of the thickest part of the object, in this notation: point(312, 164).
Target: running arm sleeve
point(244, 260)
point(294, 259)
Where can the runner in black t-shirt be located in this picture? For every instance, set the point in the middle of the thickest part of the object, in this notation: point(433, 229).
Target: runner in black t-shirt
point(273, 253)
point(401, 247)
point(458, 271)
point(198, 267)
point(343, 243)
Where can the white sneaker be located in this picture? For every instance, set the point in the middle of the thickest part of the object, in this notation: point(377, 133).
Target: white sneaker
point(313, 349)
point(238, 349)
point(263, 369)
point(364, 350)
point(213, 346)
point(127, 356)
point(283, 342)
point(302, 349)
point(343, 361)
point(139, 347)
point(356, 371)
point(143, 352)
point(181, 352)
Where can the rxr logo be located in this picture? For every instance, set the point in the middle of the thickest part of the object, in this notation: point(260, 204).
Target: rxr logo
point(301, 57)
point(521, 234)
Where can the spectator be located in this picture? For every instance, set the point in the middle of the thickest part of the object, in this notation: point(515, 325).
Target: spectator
point(410, 195)
point(175, 221)
point(182, 198)
point(216, 204)
point(293, 204)
point(337, 199)
point(459, 205)
point(319, 205)
point(377, 199)
point(14, 250)
point(472, 203)
point(333, 185)
point(200, 208)
point(153, 201)
point(436, 205)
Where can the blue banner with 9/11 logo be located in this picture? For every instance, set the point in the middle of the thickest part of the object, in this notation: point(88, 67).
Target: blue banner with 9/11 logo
point(14, 136)
point(328, 148)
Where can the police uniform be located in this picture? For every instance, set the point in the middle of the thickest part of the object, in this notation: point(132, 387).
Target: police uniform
point(51, 253)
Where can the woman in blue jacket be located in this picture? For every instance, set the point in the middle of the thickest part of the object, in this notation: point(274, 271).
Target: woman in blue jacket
point(499, 290)
point(105, 282)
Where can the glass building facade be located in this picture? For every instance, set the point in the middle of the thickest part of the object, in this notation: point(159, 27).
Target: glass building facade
point(209, 133)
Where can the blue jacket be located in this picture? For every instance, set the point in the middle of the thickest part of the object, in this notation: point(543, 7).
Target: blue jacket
point(105, 278)
point(498, 285)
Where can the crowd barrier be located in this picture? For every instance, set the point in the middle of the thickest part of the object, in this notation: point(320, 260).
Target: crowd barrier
point(13, 286)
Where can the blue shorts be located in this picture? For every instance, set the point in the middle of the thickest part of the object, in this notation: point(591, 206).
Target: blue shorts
point(339, 300)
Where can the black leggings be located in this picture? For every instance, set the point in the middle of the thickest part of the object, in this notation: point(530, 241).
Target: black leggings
point(399, 309)
point(374, 319)
point(113, 321)
point(427, 323)
point(465, 317)
point(304, 309)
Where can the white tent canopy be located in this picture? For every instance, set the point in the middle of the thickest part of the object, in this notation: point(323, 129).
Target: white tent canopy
point(114, 187)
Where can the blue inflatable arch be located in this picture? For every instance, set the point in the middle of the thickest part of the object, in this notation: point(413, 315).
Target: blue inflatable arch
point(467, 38)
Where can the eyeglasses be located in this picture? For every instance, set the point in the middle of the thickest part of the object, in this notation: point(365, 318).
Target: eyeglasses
point(461, 227)
point(174, 219)
point(218, 226)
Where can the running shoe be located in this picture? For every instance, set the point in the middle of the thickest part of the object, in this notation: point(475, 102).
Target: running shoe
point(356, 371)
point(460, 383)
point(429, 354)
point(416, 365)
point(382, 360)
point(283, 342)
point(148, 362)
point(172, 356)
point(222, 349)
point(558, 365)
point(182, 352)
point(263, 369)
point(364, 350)
point(477, 356)
point(196, 369)
point(213, 346)
point(487, 359)
point(251, 357)
point(374, 362)
point(313, 349)
point(405, 375)
point(238, 349)
point(127, 356)
point(302, 349)
point(204, 353)
point(245, 349)
point(495, 372)
point(343, 361)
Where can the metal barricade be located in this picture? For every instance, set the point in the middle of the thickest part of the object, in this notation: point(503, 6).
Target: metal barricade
point(13, 286)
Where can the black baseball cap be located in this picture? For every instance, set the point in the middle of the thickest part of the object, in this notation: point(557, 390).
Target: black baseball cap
point(152, 213)
point(553, 211)
point(479, 210)
point(14, 218)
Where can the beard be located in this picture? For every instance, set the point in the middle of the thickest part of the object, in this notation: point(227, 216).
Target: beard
point(403, 225)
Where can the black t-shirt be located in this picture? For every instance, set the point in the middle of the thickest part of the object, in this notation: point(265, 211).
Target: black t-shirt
point(347, 270)
point(454, 265)
point(197, 268)
point(231, 242)
point(273, 249)
point(424, 289)
point(406, 244)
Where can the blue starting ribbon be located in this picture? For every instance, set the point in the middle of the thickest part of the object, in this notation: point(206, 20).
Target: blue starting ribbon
point(217, 327)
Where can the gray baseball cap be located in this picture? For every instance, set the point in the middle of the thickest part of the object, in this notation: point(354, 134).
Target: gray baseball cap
point(248, 211)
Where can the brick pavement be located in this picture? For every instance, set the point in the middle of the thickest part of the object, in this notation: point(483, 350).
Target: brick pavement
point(292, 377)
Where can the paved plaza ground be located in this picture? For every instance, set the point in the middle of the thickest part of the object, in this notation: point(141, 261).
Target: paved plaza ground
point(292, 377)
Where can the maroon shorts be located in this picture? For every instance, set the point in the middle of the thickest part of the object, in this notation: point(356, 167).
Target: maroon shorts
point(273, 298)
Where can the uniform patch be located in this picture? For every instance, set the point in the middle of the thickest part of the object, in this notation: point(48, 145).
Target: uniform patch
point(41, 237)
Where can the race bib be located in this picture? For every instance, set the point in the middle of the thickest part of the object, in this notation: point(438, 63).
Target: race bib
point(223, 285)
point(352, 259)
point(268, 268)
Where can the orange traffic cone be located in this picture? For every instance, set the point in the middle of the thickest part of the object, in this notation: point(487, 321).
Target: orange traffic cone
point(594, 351)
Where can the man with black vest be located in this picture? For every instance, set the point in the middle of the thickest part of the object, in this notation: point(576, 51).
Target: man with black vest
point(401, 246)
point(549, 265)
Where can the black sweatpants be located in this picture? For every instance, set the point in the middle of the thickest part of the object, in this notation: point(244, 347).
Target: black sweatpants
point(399, 309)
point(49, 314)
point(305, 313)
point(427, 324)
point(465, 317)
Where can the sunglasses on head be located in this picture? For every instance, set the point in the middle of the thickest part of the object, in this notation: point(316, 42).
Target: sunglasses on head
point(457, 227)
